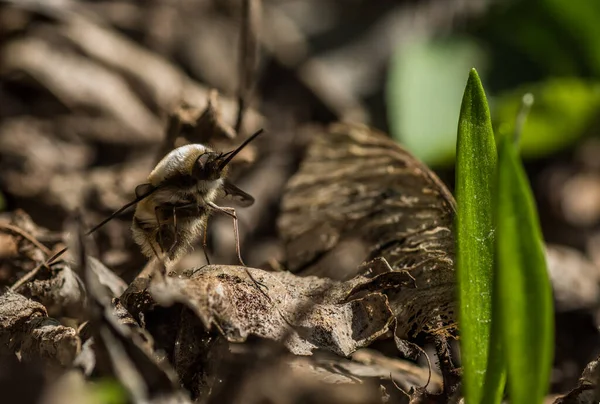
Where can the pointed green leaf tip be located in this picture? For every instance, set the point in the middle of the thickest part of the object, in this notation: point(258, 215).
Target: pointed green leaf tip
point(524, 288)
point(475, 179)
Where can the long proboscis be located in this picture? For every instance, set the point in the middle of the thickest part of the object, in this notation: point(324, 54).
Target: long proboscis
point(102, 223)
point(230, 155)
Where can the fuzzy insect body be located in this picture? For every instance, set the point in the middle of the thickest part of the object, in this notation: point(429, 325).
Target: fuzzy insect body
point(174, 205)
point(169, 219)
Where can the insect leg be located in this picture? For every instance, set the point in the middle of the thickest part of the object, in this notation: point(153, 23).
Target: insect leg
point(204, 241)
point(183, 214)
point(231, 212)
point(160, 240)
point(175, 234)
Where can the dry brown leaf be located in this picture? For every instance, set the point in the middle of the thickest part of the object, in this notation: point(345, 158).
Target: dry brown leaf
point(15, 312)
point(305, 380)
point(45, 338)
point(224, 296)
point(119, 347)
point(122, 54)
point(26, 329)
point(587, 390)
point(67, 74)
point(59, 289)
point(358, 196)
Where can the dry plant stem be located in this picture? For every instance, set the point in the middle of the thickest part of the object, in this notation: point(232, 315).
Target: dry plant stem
point(428, 365)
point(451, 379)
point(205, 241)
point(27, 277)
point(154, 267)
point(398, 387)
point(27, 236)
point(31, 274)
point(247, 58)
point(168, 144)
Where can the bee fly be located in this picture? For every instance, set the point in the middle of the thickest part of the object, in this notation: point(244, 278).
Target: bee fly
point(174, 206)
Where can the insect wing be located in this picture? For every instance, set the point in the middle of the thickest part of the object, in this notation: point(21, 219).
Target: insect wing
point(233, 193)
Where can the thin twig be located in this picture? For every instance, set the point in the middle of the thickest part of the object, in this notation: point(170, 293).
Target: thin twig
point(398, 387)
point(171, 133)
point(34, 271)
point(450, 378)
point(27, 236)
point(247, 59)
point(27, 277)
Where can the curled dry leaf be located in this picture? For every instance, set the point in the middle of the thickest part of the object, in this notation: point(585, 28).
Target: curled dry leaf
point(118, 346)
point(316, 308)
point(146, 379)
point(59, 289)
point(15, 312)
point(587, 390)
point(21, 246)
point(67, 74)
point(45, 338)
point(113, 285)
point(115, 50)
point(56, 286)
point(193, 125)
point(26, 329)
point(406, 374)
point(357, 197)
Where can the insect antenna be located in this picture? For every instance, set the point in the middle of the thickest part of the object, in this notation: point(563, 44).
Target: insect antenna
point(231, 154)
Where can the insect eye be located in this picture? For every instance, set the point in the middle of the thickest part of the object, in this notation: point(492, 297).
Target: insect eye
point(204, 166)
point(203, 160)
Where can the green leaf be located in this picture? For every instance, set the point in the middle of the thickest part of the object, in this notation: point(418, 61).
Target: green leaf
point(108, 391)
point(423, 91)
point(475, 178)
point(579, 19)
point(495, 375)
point(524, 289)
point(563, 111)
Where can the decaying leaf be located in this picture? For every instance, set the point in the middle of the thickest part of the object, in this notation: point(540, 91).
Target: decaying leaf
point(587, 390)
point(46, 338)
point(15, 312)
point(309, 312)
point(198, 356)
point(59, 289)
point(405, 373)
point(295, 380)
point(119, 349)
point(25, 329)
point(359, 196)
point(20, 249)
